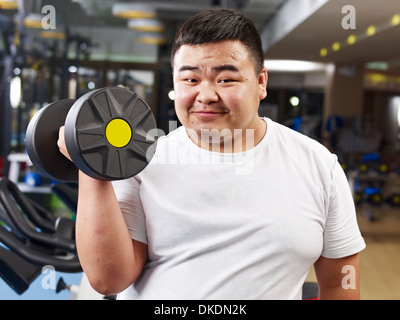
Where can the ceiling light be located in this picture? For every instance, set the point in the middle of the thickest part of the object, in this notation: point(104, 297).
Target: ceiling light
point(171, 95)
point(323, 52)
point(17, 71)
point(293, 66)
point(377, 65)
point(147, 25)
point(371, 30)
point(15, 92)
point(8, 4)
point(53, 35)
point(33, 20)
point(377, 78)
point(151, 39)
point(91, 85)
point(73, 69)
point(336, 46)
point(395, 20)
point(294, 101)
point(133, 11)
point(351, 39)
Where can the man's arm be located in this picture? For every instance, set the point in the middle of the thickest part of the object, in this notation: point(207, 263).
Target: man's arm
point(109, 257)
point(338, 279)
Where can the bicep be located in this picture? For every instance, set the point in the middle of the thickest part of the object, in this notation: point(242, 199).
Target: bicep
point(338, 278)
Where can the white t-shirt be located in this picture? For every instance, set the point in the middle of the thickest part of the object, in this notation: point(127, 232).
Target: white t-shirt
point(243, 225)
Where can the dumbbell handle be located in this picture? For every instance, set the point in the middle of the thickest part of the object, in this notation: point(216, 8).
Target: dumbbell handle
point(61, 143)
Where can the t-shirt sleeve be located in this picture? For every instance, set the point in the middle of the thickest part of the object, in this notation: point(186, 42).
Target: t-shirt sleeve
point(128, 195)
point(342, 236)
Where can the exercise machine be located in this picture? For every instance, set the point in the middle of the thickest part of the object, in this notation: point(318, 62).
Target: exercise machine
point(31, 238)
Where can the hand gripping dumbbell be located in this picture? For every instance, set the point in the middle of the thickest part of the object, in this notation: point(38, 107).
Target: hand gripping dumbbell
point(107, 135)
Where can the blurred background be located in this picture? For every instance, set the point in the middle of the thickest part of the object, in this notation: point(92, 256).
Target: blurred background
point(334, 75)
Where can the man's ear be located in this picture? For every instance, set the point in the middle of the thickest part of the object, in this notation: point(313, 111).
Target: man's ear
point(262, 82)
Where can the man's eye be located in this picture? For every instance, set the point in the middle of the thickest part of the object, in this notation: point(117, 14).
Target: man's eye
point(225, 80)
point(191, 80)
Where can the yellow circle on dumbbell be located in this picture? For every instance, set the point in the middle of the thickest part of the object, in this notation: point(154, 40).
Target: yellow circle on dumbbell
point(118, 133)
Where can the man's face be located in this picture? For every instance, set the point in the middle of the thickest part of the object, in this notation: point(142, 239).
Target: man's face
point(216, 87)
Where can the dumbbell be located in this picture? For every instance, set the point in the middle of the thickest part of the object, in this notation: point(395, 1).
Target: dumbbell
point(107, 135)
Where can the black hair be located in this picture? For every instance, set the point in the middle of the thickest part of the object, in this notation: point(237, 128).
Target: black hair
point(219, 24)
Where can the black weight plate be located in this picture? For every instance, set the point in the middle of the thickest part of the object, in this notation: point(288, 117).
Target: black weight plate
point(104, 156)
point(41, 142)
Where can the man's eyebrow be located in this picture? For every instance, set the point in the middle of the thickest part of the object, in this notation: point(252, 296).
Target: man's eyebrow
point(190, 68)
point(226, 67)
point(223, 67)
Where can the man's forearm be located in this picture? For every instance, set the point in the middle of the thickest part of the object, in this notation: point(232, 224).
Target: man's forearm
point(103, 241)
point(338, 293)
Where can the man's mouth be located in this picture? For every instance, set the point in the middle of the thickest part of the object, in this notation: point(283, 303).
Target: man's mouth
point(208, 114)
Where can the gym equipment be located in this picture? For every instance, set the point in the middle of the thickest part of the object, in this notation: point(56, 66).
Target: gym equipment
point(33, 179)
point(371, 163)
point(7, 63)
point(373, 196)
point(41, 142)
point(106, 135)
point(363, 168)
point(34, 234)
point(68, 193)
point(310, 291)
point(17, 272)
point(57, 232)
point(383, 168)
point(358, 197)
point(33, 238)
point(394, 200)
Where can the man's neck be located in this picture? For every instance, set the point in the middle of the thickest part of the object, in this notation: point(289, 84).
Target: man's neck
point(240, 140)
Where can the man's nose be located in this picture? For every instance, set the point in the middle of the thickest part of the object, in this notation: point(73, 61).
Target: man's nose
point(207, 94)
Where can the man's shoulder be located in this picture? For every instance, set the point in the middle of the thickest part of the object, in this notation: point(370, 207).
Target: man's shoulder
point(296, 138)
point(299, 146)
